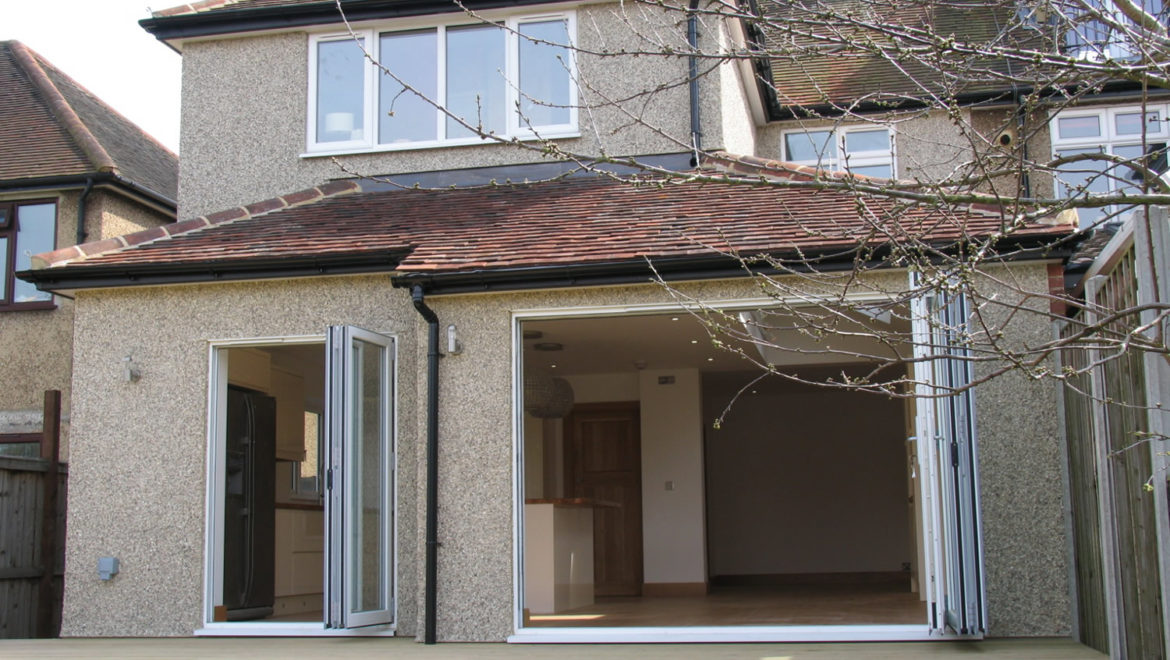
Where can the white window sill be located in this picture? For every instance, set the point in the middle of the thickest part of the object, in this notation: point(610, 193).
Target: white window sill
point(448, 144)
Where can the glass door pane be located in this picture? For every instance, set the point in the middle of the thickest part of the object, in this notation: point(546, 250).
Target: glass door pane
point(359, 482)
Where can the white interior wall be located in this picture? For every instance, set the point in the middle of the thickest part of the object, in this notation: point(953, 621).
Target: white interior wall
point(805, 481)
point(672, 477)
point(533, 457)
point(596, 388)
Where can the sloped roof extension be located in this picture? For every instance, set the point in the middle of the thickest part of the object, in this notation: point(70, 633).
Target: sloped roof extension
point(547, 227)
point(50, 126)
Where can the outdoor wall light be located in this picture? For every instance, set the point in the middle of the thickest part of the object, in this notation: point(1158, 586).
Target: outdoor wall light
point(130, 371)
point(107, 567)
point(454, 347)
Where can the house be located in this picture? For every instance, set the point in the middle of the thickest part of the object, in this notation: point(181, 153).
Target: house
point(395, 378)
point(72, 170)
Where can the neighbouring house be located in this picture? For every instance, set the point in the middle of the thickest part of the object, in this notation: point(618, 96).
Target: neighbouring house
point(396, 379)
point(72, 170)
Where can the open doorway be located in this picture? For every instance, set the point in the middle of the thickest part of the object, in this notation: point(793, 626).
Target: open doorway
point(272, 493)
point(301, 490)
point(800, 509)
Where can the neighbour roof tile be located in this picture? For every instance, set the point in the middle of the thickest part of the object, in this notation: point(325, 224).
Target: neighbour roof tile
point(52, 126)
point(573, 221)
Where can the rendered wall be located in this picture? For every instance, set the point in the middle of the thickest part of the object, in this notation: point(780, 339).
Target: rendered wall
point(245, 101)
point(38, 348)
point(137, 478)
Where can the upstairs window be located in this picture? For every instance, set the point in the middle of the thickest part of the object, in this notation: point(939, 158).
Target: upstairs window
point(26, 228)
point(865, 150)
point(1097, 30)
point(1118, 131)
point(512, 79)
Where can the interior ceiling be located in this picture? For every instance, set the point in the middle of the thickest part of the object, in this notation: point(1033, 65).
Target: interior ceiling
point(614, 344)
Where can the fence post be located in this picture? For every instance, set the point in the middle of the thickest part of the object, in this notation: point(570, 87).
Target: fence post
point(50, 449)
point(1152, 245)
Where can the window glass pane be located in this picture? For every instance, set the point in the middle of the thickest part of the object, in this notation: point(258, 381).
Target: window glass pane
point(1088, 174)
point(816, 146)
point(1079, 127)
point(475, 79)
point(404, 116)
point(876, 140)
point(883, 171)
point(1130, 123)
point(544, 73)
point(34, 234)
point(5, 273)
point(340, 91)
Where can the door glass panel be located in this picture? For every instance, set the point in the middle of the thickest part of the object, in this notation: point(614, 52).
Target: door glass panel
point(367, 487)
point(4, 270)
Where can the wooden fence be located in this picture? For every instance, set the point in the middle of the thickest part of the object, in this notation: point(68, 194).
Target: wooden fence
point(1113, 420)
point(32, 531)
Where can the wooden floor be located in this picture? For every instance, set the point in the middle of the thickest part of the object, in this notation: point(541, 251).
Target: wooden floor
point(826, 604)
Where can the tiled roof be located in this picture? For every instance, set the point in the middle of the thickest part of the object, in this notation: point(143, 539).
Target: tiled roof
point(52, 126)
point(219, 5)
point(846, 75)
point(570, 222)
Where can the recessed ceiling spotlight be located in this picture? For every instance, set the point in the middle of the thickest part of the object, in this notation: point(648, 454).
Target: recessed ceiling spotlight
point(710, 359)
point(548, 346)
point(552, 366)
point(694, 341)
point(674, 318)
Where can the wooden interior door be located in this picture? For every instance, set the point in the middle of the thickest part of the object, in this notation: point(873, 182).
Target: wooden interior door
point(603, 461)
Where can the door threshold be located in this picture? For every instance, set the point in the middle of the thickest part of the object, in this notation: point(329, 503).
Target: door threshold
point(288, 629)
point(721, 634)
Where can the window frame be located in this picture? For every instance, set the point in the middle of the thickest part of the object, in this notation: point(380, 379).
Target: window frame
point(1108, 139)
point(9, 229)
point(845, 161)
point(372, 34)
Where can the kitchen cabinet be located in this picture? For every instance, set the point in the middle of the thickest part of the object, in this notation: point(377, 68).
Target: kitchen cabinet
point(289, 391)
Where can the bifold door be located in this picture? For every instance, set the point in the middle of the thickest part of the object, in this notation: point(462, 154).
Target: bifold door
point(358, 478)
point(948, 460)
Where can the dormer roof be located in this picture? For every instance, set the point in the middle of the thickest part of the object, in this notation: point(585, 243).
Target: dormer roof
point(53, 128)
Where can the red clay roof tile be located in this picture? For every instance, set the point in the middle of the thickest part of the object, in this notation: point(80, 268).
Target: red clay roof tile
point(580, 220)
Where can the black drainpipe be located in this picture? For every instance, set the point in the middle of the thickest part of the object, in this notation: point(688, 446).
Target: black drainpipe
point(81, 210)
point(416, 294)
point(693, 82)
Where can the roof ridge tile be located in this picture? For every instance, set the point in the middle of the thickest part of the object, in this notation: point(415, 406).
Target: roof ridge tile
point(76, 253)
point(31, 63)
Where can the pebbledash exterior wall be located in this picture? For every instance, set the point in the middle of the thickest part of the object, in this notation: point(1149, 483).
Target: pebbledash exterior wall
point(245, 101)
point(138, 477)
point(37, 354)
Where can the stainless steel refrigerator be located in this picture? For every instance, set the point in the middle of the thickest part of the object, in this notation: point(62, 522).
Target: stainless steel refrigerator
point(249, 505)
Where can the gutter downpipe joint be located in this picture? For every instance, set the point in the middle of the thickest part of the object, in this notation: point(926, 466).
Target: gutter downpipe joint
point(432, 494)
point(81, 210)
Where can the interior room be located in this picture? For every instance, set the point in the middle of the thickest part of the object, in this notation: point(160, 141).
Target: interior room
point(666, 484)
point(273, 508)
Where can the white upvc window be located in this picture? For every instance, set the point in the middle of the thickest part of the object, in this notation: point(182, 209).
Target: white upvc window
point(865, 149)
point(1096, 30)
point(513, 79)
point(1115, 130)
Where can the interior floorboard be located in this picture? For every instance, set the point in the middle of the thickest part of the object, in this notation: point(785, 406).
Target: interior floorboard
point(796, 605)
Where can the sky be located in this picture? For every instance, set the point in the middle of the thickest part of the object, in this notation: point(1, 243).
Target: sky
point(99, 44)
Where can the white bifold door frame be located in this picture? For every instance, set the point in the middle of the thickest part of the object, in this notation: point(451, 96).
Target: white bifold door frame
point(948, 463)
point(359, 462)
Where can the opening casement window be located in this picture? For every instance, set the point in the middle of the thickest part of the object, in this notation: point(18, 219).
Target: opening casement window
point(26, 228)
point(867, 150)
point(1118, 131)
point(301, 526)
point(512, 79)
